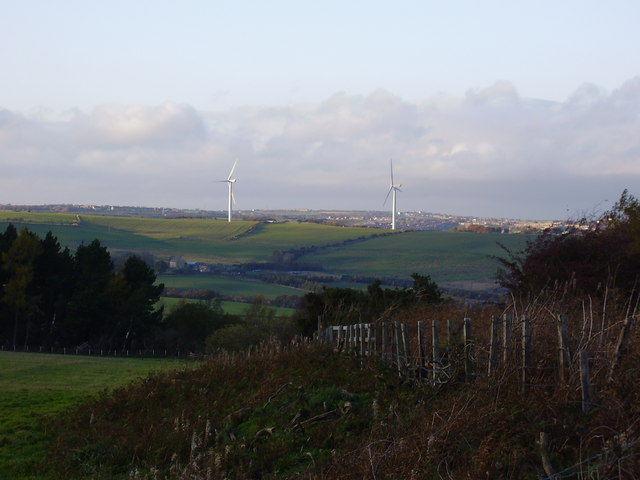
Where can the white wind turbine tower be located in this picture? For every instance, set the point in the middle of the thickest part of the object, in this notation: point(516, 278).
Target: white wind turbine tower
point(230, 181)
point(392, 191)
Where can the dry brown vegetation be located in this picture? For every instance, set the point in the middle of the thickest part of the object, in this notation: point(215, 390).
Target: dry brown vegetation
point(304, 411)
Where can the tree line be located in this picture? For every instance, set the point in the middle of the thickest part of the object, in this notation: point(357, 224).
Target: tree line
point(53, 297)
point(50, 296)
point(345, 306)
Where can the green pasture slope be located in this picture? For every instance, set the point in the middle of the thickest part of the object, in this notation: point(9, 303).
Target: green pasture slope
point(228, 286)
point(33, 386)
point(232, 308)
point(452, 259)
point(445, 256)
point(206, 240)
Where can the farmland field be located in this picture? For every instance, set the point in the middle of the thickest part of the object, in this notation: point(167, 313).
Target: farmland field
point(451, 259)
point(232, 308)
point(36, 385)
point(446, 256)
point(228, 286)
point(205, 240)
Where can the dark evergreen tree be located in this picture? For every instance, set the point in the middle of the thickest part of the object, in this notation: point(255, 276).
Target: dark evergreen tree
point(53, 284)
point(135, 295)
point(187, 326)
point(344, 306)
point(426, 290)
point(6, 315)
point(90, 308)
point(19, 295)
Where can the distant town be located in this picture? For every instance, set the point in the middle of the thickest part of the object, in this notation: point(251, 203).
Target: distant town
point(375, 219)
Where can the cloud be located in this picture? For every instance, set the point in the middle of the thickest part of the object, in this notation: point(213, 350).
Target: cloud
point(334, 153)
point(118, 126)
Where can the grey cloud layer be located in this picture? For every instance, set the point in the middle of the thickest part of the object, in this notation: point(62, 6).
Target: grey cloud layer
point(332, 154)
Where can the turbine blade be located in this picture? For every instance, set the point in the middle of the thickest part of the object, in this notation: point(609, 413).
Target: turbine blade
point(392, 172)
point(232, 169)
point(233, 198)
point(387, 197)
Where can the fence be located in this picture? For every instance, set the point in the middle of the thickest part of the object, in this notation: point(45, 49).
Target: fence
point(440, 353)
point(138, 353)
point(540, 353)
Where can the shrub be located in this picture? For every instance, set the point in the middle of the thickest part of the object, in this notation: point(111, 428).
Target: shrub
point(258, 326)
point(604, 255)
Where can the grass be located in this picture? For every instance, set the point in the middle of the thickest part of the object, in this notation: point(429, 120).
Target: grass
point(458, 260)
point(228, 286)
point(19, 218)
point(303, 411)
point(206, 240)
point(34, 386)
point(445, 256)
point(254, 421)
point(232, 308)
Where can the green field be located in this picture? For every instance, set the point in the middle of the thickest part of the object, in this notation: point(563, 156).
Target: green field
point(451, 259)
point(36, 385)
point(446, 256)
point(228, 286)
point(204, 240)
point(232, 308)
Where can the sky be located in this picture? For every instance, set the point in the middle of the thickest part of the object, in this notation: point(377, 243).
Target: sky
point(527, 109)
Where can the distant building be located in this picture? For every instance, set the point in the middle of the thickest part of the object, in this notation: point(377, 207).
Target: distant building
point(176, 263)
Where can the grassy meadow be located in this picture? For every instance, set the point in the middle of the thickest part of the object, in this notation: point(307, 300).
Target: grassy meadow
point(195, 239)
point(228, 286)
point(458, 260)
point(33, 386)
point(232, 308)
point(446, 256)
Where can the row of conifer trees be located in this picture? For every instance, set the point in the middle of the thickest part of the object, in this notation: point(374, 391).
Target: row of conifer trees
point(51, 296)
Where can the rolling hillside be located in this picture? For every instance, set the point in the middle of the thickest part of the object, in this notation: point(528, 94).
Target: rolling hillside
point(446, 256)
point(454, 260)
point(204, 240)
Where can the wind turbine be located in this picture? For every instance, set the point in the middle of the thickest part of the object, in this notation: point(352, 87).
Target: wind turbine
point(230, 181)
point(392, 191)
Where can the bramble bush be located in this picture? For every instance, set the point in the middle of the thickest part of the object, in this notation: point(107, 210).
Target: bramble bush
point(603, 255)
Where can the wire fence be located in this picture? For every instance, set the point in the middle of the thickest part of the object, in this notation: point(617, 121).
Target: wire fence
point(550, 353)
point(92, 352)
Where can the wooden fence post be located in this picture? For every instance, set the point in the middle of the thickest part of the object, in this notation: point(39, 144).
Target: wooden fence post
point(506, 338)
point(329, 335)
point(354, 338)
point(351, 338)
point(361, 338)
point(373, 339)
point(406, 344)
point(435, 349)
point(347, 338)
point(621, 347)
point(319, 331)
point(467, 338)
point(584, 380)
point(526, 351)
point(493, 346)
point(451, 332)
point(396, 344)
point(421, 349)
point(564, 357)
point(385, 346)
point(340, 341)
